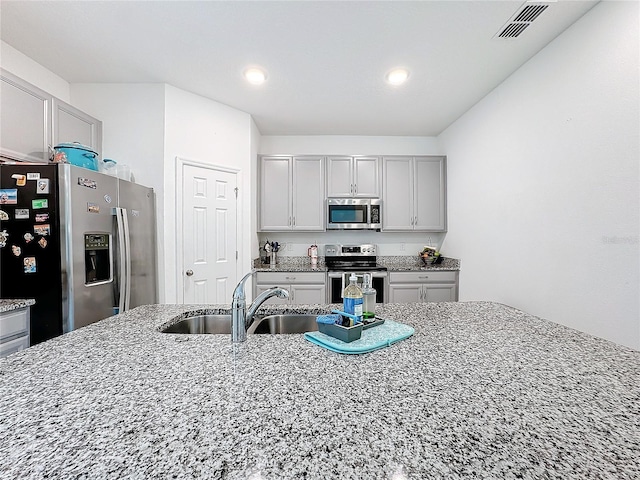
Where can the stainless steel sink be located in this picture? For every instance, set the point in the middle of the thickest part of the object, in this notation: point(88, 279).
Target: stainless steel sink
point(285, 323)
point(220, 323)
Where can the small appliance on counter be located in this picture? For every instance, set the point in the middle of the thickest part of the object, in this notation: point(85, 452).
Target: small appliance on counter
point(312, 252)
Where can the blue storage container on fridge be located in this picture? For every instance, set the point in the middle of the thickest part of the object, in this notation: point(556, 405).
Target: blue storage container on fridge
point(79, 155)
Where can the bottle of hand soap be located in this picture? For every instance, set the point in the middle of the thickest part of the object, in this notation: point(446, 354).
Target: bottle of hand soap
point(368, 297)
point(352, 298)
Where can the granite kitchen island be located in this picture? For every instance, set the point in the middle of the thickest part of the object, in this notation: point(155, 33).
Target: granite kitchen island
point(481, 390)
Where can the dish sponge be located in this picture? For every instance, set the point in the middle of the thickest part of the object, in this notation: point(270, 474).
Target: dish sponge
point(328, 318)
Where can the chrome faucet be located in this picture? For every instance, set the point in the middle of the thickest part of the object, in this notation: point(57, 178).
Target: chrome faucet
point(241, 318)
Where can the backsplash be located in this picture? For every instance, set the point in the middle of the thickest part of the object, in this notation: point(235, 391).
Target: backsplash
point(389, 243)
point(290, 261)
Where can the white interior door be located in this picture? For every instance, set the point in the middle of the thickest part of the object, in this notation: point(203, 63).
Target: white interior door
point(209, 234)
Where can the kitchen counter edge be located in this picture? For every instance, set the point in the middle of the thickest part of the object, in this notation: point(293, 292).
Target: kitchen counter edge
point(8, 305)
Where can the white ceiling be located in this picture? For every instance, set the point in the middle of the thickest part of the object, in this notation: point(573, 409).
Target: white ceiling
point(325, 60)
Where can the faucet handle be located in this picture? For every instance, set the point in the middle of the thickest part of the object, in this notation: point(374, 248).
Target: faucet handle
point(238, 293)
point(283, 293)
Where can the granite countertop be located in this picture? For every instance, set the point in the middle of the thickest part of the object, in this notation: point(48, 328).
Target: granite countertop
point(7, 305)
point(481, 390)
point(413, 263)
point(393, 264)
point(290, 267)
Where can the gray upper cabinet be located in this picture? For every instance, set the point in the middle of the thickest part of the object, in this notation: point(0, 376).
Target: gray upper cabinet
point(414, 193)
point(429, 192)
point(353, 176)
point(32, 122)
point(308, 193)
point(291, 193)
point(25, 120)
point(72, 125)
point(275, 193)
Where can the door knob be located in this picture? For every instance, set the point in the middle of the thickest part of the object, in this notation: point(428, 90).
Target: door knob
point(189, 273)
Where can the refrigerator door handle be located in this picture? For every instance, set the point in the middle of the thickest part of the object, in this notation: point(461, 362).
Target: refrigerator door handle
point(127, 245)
point(122, 275)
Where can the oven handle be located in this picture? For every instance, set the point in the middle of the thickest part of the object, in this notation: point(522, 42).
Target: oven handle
point(338, 274)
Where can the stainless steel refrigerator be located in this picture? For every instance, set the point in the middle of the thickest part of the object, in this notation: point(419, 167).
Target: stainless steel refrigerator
point(81, 243)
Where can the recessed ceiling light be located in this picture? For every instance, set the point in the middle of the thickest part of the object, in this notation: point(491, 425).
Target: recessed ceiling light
point(397, 76)
point(255, 75)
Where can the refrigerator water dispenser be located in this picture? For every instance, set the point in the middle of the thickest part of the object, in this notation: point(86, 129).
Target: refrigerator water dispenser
point(97, 258)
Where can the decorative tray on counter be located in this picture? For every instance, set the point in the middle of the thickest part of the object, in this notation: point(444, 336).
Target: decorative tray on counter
point(349, 334)
point(369, 340)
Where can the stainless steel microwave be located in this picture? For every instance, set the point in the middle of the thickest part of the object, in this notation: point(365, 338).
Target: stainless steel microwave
point(354, 214)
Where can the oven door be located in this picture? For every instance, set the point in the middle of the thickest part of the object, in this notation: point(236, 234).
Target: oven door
point(334, 290)
point(339, 280)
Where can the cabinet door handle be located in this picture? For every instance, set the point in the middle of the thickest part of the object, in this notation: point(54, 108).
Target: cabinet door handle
point(424, 276)
point(294, 221)
point(351, 188)
point(355, 188)
point(290, 278)
point(411, 220)
point(289, 221)
point(189, 273)
point(415, 220)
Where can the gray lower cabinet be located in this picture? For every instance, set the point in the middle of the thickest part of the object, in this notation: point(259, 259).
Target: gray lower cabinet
point(424, 286)
point(32, 122)
point(14, 331)
point(305, 288)
point(414, 193)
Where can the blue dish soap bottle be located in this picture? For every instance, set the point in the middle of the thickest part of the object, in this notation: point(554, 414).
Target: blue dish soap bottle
point(352, 299)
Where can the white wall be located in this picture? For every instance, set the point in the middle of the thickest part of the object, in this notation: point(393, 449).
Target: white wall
point(132, 125)
point(133, 134)
point(405, 243)
point(205, 131)
point(24, 67)
point(543, 178)
point(147, 126)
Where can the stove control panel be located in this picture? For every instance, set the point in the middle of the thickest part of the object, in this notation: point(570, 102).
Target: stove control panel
point(350, 250)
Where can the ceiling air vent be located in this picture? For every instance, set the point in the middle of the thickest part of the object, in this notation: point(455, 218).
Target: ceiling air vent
point(522, 19)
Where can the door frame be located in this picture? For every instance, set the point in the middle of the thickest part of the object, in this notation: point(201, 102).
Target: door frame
point(180, 163)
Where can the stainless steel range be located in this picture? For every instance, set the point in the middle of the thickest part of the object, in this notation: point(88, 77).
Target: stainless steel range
point(342, 260)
